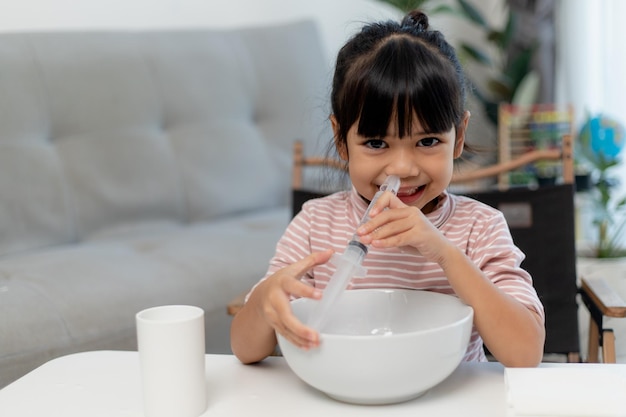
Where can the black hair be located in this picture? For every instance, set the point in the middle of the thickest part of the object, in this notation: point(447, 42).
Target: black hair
point(397, 69)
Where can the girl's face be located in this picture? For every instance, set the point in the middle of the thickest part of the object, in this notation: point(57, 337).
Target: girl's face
point(423, 161)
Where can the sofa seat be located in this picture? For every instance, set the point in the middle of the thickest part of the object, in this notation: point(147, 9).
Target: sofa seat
point(85, 296)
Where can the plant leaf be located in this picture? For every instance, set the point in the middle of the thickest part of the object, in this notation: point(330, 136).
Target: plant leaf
point(473, 14)
point(501, 88)
point(476, 54)
point(509, 31)
point(406, 5)
point(496, 37)
point(528, 89)
point(517, 68)
point(444, 9)
point(611, 248)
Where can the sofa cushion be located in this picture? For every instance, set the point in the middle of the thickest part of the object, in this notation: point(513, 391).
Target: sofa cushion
point(34, 206)
point(106, 128)
point(242, 176)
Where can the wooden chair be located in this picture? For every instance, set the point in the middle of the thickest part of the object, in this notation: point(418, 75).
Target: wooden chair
point(602, 301)
point(300, 192)
point(541, 221)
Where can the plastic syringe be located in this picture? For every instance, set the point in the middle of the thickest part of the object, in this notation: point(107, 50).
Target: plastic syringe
point(349, 264)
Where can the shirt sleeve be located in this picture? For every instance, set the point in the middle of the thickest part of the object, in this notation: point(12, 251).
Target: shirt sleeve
point(494, 252)
point(293, 246)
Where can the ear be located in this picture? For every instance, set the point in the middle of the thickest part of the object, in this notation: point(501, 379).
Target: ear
point(460, 135)
point(342, 149)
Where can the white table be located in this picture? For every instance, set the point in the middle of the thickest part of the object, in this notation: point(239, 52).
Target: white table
point(107, 383)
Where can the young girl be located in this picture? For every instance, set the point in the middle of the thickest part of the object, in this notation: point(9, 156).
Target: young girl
point(398, 109)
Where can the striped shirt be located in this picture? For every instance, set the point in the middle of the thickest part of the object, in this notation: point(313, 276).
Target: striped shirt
point(480, 231)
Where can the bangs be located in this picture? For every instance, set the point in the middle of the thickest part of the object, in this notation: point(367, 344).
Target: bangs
point(402, 80)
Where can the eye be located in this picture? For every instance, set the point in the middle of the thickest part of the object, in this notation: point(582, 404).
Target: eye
point(428, 142)
point(375, 144)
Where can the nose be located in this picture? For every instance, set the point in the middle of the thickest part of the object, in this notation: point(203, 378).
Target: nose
point(403, 164)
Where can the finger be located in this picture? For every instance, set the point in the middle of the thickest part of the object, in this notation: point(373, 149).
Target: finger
point(280, 313)
point(298, 341)
point(392, 223)
point(382, 203)
point(277, 318)
point(390, 241)
point(294, 338)
point(302, 289)
point(302, 335)
point(303, 265)
point(387, 201)
point(395, 202)
point(375, 222)
point(292, 329)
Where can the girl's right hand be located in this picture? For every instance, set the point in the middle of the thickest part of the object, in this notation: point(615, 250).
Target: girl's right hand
point(273, 296)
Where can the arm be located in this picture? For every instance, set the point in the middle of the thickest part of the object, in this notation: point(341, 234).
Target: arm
point(512, 331)
point(267, 311)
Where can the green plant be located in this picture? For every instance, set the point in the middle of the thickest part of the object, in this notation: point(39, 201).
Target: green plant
point(601, 140)
point(511, 73)
point(609, 218)
point(406, 5)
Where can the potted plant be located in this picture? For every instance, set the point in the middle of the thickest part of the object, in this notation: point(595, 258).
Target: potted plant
point(601, 140)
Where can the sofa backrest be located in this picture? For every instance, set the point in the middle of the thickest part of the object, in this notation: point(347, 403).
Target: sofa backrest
point(105, 128)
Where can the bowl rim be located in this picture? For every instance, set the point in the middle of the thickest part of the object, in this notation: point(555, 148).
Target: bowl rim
point(468, 316)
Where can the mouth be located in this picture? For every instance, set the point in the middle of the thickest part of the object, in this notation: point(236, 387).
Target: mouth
point(409, 195)
point(405, 192)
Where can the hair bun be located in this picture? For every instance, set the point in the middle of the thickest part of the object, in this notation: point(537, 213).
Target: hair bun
point(416, 19)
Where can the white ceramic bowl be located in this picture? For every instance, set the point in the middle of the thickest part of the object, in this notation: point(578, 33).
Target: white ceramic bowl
point(383, 346)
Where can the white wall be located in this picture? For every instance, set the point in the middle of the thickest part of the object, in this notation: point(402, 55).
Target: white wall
point(337, 19)
point(591, 67)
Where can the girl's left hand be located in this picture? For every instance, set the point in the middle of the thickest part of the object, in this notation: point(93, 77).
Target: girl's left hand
point(401, 226)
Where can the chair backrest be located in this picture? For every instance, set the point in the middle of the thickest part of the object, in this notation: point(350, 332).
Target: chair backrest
point(301, 192)
point(541, 221)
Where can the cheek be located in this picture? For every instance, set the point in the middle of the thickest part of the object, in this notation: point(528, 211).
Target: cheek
point(441, 167)
point(360, 171)
point(355, 167)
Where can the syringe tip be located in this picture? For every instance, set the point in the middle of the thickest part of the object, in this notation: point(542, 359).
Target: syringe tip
point(392, 183)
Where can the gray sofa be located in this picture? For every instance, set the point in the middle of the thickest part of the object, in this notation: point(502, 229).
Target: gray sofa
point(144, 168)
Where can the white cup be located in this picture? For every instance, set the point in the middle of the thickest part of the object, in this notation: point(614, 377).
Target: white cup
point(170, 341)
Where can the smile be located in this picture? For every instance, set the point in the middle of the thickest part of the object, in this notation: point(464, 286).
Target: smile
point(410, 195)
point(409, 191)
